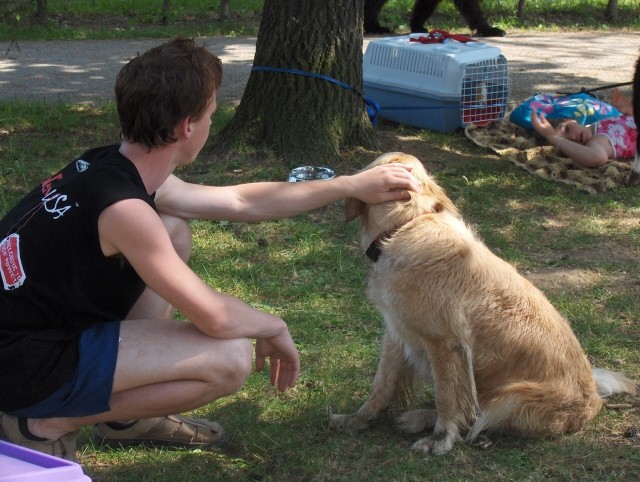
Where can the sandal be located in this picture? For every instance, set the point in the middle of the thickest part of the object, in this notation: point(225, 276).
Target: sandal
point(171, 431)
point(64, 447)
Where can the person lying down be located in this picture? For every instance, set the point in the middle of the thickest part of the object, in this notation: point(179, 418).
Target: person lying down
point(596, 144)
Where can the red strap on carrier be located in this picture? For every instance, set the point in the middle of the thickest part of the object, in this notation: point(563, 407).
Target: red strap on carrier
point(439, 36)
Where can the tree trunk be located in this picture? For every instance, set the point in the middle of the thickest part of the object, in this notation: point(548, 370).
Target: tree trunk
point(224, 9)
point(612, 10)
point(304, 119)
point(42, 12)
point(520, 10)
point(165, 12)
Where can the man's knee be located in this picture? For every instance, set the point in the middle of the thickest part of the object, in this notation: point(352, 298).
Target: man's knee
point(180, 234)
point(238, 364)
point(244, 362)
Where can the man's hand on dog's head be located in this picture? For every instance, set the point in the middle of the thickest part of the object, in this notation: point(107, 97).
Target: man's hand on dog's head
point(388, 182)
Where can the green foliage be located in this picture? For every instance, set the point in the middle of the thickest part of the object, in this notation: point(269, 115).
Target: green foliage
point(99, 19)
point(13, 11)
point(538, 14)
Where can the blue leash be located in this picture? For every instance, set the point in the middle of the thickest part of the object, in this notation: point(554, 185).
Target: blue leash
point(371, 105)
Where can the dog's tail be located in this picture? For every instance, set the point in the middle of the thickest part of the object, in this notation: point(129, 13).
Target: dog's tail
point(547, 408)
point(494, 418)
point(536, 408)
point(609, 383)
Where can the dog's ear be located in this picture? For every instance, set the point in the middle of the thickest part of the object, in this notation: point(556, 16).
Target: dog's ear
point(353, 208)
point(435, 200)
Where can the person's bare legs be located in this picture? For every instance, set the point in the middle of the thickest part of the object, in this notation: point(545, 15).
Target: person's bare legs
point(164, 366)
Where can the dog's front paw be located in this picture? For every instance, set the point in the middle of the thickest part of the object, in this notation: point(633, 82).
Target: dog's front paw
point(437, 444)
point(341, 422)
point(416, 421)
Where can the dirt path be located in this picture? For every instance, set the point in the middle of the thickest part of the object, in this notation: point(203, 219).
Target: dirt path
point(84, 70)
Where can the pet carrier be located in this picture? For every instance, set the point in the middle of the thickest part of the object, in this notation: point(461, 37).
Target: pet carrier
point(436, 82)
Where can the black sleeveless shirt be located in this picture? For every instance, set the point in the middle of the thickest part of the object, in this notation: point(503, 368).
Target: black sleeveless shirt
point(55, 280)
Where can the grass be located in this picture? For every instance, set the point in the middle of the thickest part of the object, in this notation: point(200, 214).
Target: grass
point(583, 249)
point(538, 14)
point(309, 271)
point(101, 19)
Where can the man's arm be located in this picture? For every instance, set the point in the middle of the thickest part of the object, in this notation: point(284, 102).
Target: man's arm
point(273, 200)
point(132, 228)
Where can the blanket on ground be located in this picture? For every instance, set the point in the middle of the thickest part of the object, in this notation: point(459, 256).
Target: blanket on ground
point(525, 150)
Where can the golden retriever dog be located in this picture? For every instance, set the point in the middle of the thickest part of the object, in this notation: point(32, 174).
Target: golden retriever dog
point(499, 355)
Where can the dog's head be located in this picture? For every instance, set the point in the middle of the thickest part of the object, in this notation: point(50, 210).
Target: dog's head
point(378, 219)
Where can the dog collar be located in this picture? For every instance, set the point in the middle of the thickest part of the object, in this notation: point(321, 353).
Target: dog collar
point(374, 250)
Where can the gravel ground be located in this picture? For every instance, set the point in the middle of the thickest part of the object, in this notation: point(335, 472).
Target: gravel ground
point(84, 70)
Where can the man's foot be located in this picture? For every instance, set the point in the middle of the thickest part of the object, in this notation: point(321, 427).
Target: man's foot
point(16, 431)
point(490, 31)
point(170, 431)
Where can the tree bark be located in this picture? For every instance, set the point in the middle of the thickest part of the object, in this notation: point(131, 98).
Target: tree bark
point(42, 12)
point(612, 10)
point(224, 9)
point(304, 119)
point(520, 10)
point(165, 12)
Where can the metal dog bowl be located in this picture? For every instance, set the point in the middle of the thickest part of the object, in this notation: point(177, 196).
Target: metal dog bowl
point(310, 173)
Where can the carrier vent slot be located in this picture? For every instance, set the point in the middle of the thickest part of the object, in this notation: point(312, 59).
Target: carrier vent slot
point(414, 62)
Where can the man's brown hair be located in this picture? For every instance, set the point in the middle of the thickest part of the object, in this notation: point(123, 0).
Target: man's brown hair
point(155, 91)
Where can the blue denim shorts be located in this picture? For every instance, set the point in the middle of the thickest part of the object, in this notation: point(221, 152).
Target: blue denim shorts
point(88, 392)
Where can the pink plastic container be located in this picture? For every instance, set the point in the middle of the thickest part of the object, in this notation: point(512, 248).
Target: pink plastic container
point(18, 464)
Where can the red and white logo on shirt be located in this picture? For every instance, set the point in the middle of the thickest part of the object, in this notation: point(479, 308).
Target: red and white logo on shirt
point(11, 269)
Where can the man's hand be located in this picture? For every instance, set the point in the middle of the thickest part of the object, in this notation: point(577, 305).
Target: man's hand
point(283, 359)
point(388, 182)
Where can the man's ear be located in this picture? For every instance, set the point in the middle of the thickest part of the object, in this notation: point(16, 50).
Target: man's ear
point(184, 128)
point(353, 208)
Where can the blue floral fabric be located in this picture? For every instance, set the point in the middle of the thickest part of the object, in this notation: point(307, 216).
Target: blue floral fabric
point(583, 108)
